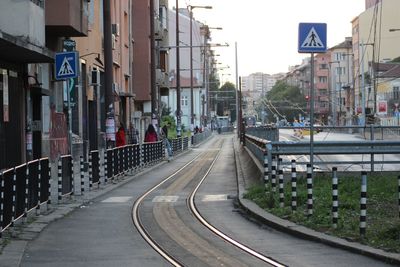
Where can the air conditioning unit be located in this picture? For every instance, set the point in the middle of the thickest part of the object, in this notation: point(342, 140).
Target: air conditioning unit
point(113, 41)
point(159, 76)
point(158, 34)
point(95, 77)
point(115, 29)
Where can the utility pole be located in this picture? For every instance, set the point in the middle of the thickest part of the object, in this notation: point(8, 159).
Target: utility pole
point(108, 71)
point(178, 75)
point(238, 120)
point(154, 91)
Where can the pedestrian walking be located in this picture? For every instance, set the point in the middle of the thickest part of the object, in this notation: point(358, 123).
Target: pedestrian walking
point(120, 136)
point(150, 135)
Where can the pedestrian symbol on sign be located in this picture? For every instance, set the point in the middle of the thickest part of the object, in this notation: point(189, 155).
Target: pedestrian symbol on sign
point(66, 65)
point(312, 40)
point(65, 69)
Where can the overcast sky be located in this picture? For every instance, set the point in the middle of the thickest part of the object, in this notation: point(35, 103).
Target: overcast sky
point(266, 31)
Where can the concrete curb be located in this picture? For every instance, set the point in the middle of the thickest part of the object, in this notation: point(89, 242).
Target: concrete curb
point(261, 215)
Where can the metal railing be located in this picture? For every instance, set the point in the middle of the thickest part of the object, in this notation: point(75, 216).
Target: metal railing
point(28, 186)
point(274, 149)
point(200, 137)
point(22, 189)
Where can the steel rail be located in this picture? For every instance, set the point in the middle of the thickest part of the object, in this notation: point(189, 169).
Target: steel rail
point(191, 204)
point(139, 226)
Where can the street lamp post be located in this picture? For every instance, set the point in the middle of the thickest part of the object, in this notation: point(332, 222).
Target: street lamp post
point(190, 7)
point(335, 118)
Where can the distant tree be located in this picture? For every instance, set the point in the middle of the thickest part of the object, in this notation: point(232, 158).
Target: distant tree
point(227, 100)
point(284, 101)
point(396, 60)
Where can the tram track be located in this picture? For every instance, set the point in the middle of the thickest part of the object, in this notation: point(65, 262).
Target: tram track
point(177, 229)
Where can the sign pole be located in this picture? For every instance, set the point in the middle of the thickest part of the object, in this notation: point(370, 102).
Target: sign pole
point(312, 114)
point(69, 115)
point(312, 39)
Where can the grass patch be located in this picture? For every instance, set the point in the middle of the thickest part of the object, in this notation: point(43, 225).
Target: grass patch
point(383, 223)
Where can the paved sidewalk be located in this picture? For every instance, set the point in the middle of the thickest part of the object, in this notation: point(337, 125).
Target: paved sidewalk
point(249, 171)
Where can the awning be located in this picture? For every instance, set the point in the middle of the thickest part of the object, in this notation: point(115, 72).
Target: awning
point(15, 49)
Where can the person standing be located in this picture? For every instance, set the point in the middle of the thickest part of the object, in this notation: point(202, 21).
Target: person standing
point(120, 136)
point(133, 134)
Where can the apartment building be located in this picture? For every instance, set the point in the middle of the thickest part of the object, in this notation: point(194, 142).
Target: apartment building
point(342, 82)
point(373, 42)
point(33, 116)
point(200, 51)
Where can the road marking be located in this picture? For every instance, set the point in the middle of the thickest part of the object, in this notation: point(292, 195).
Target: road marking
point(116, 199)
point(165, 199)
point(221, 197)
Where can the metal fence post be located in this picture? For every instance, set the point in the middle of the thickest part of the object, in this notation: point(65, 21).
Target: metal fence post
point(273, 177)
point(39, 188)
point(309, 191)
point(398, 181)
point(1, 203)
point(294, 186)
point(26, 191)
point(82, 175)
point(266, 173)
point(59, 168)
point(49, 185)
point(335, 202)
point(280, 179)
point(363, 204)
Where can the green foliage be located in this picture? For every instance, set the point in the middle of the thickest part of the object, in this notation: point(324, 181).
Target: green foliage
point(226, 98)
point(397, 59)
point(383, 226)
point(288, 100)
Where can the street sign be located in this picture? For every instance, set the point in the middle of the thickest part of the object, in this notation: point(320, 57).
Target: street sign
point(312, 38)
point(66, 65)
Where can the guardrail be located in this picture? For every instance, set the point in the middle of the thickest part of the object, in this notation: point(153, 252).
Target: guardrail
point(266, 150)
point(23, 189)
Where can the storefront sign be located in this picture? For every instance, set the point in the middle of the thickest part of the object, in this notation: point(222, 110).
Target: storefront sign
point(382, 107)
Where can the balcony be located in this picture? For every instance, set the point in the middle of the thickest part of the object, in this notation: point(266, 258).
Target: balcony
point(66, 18)
point(22, 33)
point(24, 19)
point(162, 80)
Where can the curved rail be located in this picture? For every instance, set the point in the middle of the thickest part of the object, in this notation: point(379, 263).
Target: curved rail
point(191, 204)
point(219, 233)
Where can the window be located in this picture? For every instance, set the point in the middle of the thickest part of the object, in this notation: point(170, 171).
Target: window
point(184, 101)
point(323, 79)
point(340, 70)
point(396, 92)
point(339, 56)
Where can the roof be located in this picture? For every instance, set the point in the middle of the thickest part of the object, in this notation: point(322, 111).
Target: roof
point(387, 70)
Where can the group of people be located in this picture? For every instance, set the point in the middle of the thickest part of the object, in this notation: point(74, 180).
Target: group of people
point(149, 137)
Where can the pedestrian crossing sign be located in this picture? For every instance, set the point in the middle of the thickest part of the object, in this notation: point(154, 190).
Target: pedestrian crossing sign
point(66, 65)
point(312, 38)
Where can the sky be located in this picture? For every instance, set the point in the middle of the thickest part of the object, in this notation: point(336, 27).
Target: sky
point(266, 31)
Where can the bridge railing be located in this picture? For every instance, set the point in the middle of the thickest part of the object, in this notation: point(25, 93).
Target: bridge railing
point(265, 150)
